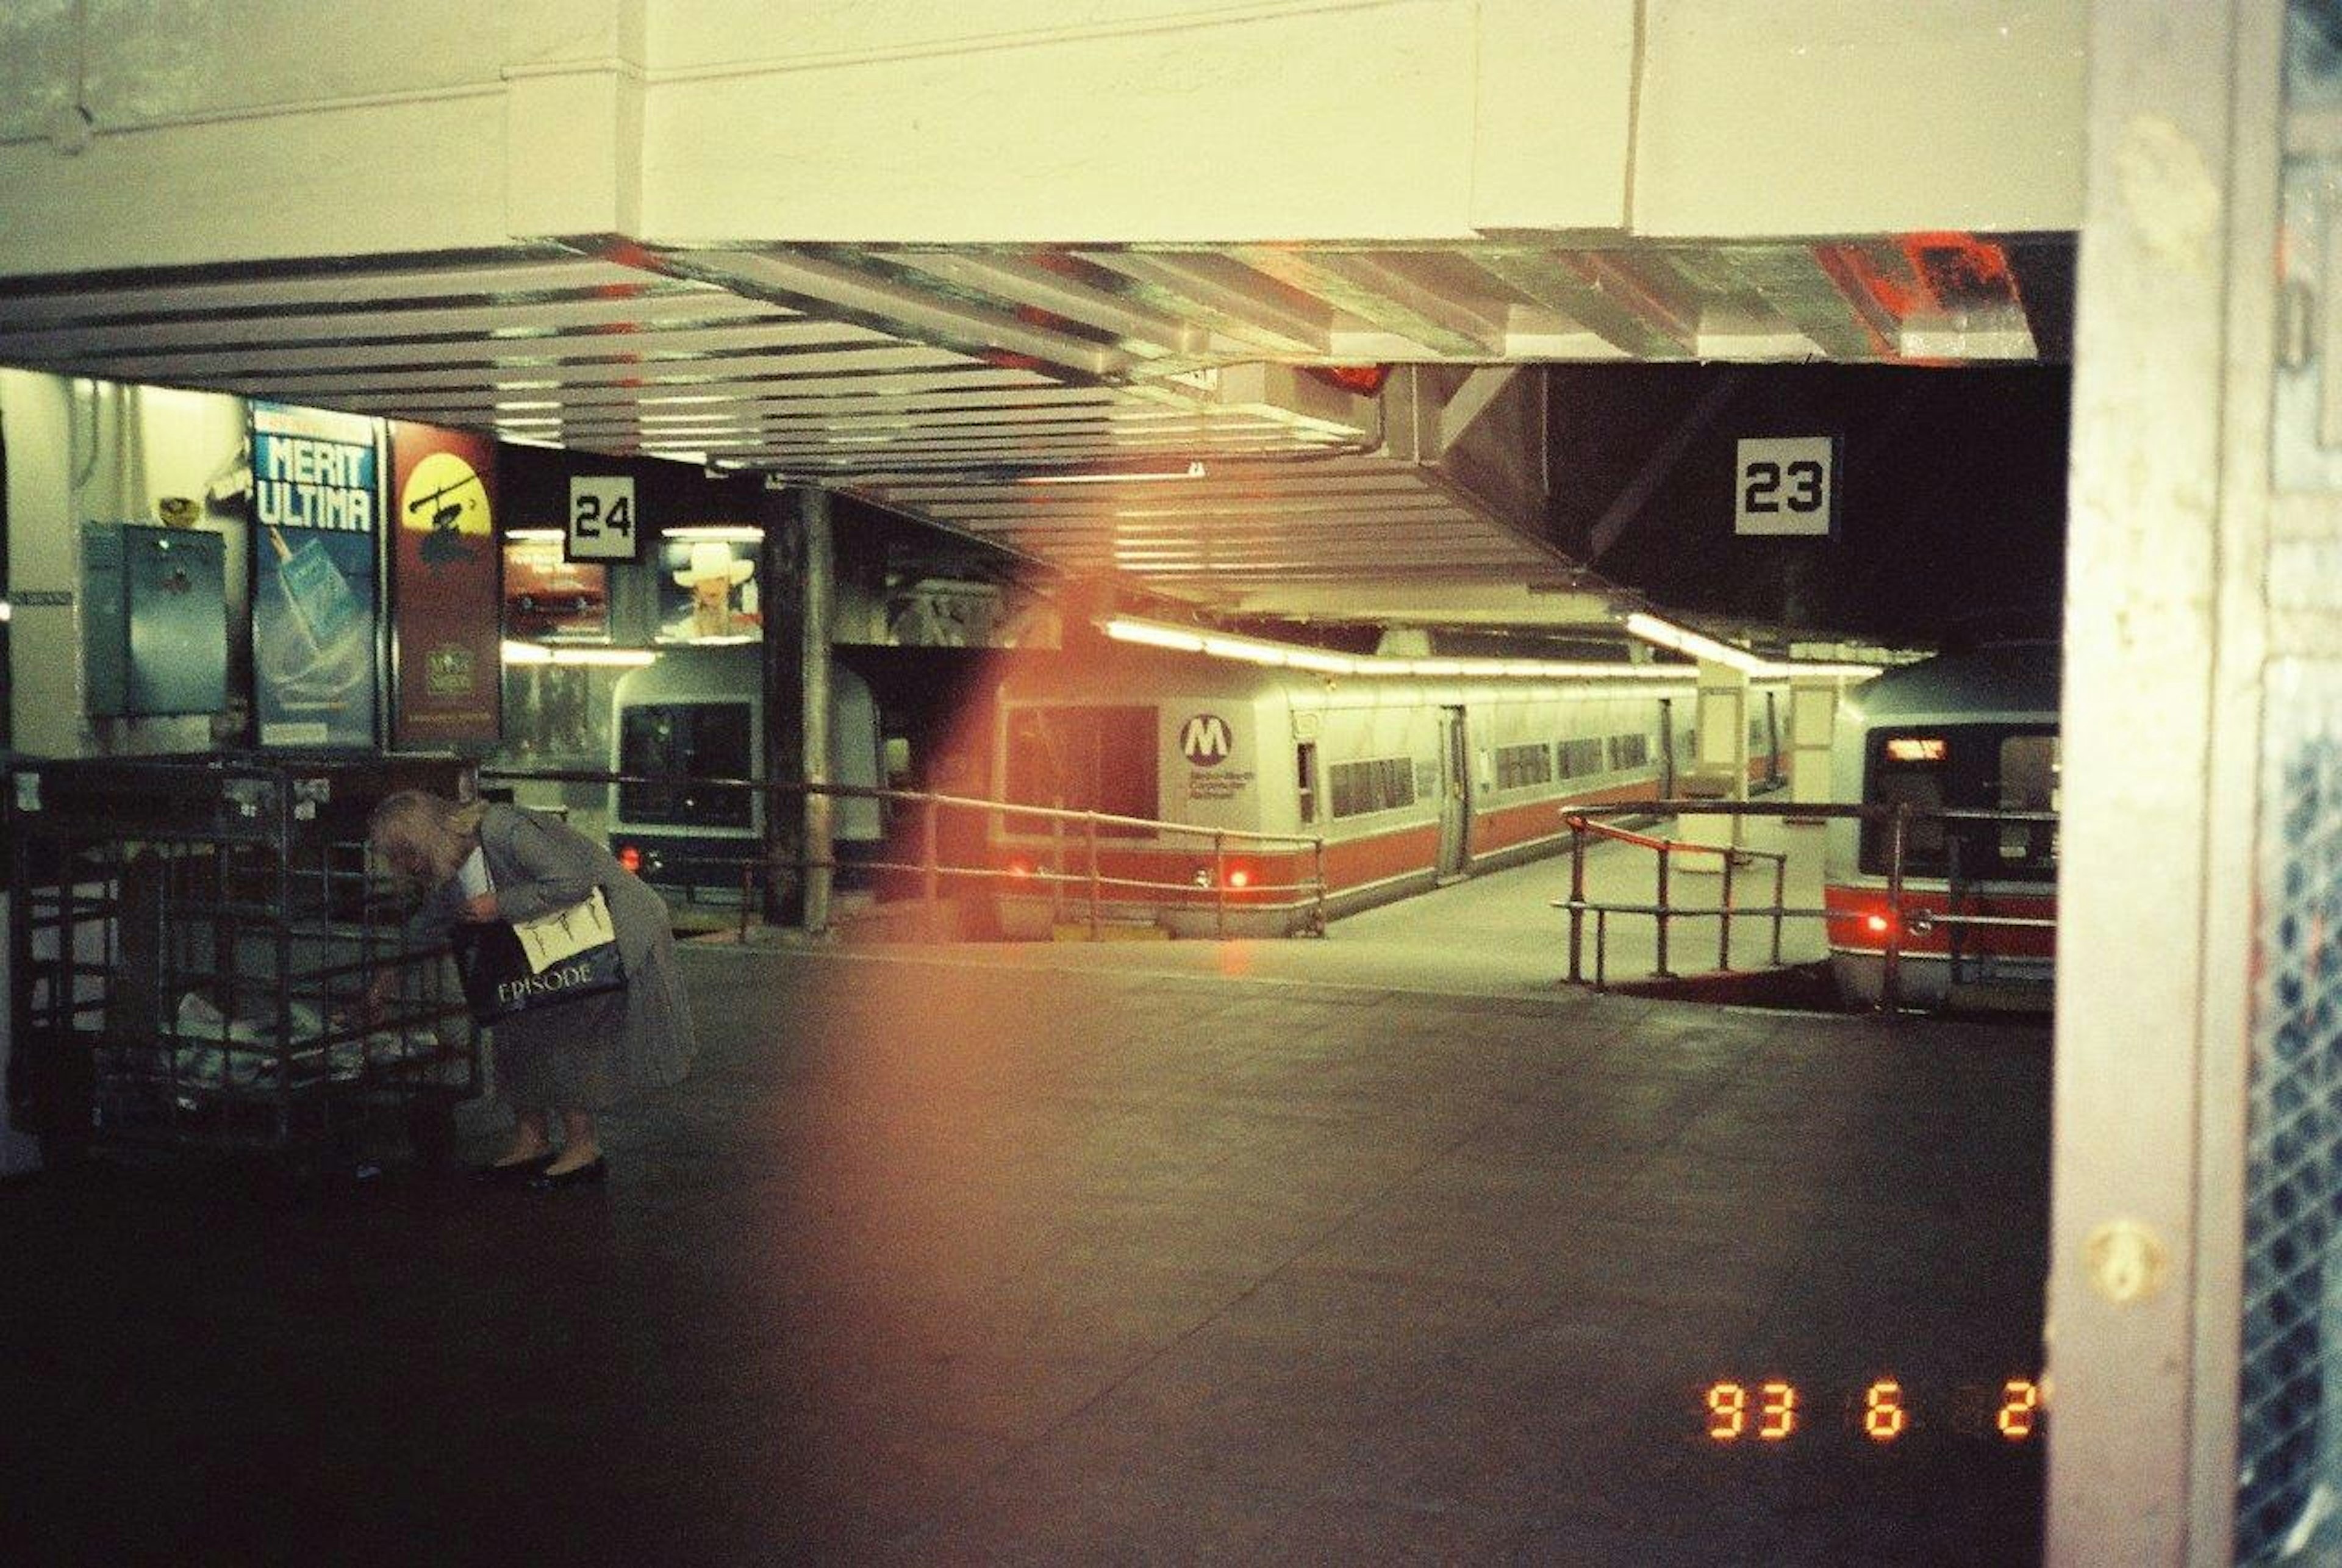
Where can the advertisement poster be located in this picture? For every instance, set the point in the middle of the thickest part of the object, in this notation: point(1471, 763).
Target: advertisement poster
point(444, 587)
point(317, 496)
point(707, 586)
point(547, 598)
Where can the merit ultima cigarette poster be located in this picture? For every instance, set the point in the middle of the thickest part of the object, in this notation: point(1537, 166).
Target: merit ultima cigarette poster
point(443, 602)
point(317, 496)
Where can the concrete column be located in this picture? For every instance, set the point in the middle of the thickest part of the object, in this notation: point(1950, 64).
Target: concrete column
point(799, 610)
point(1719, 769)
point(1813, 716)
point(816, 587)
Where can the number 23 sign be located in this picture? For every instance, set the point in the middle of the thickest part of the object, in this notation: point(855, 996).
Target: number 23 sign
point(602, 524)
point(1786, 485)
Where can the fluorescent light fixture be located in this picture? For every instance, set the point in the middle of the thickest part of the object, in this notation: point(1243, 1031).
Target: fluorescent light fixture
point(732, 532)
point(1324, 662)
point(539, 653)
point(1154, 636)
point(1193, 471)
point(1826, 669)
point(535, 535)
point(1683, 640)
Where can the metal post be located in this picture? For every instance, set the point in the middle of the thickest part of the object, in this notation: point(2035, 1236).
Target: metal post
point(930, 873)
point(1089, 830)
point(1577, 896)
point(1724, 917)
point(1666, 855)
point(1601, 949)
point(1317, 847)
point(1056, 869)
point(1890, 974)
point(1220, 884)
point(1780, 902)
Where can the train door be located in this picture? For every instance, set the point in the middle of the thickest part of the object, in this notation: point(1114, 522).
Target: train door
point(1455, 792)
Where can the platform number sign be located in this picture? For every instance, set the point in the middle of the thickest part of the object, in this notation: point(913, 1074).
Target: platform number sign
point(1786, 485)
point(603, 523)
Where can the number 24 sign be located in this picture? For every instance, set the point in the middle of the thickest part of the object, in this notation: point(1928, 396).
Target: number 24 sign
point(603, 523)
point(1786, 485)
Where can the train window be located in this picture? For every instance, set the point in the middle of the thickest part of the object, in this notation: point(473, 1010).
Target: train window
point(1383, 783)
point(1581, 758)
point(1084, 759)
point(1519, 767)
point(1629, 752)
point(1305, 769)
point(685, 741)
point(1966, 767)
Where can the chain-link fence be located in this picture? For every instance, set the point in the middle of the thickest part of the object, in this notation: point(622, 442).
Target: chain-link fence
point(2289, 1418)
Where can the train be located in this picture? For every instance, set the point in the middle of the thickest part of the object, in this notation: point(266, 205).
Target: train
point(1974, 730)
point(1410, 780)
point(697, 713)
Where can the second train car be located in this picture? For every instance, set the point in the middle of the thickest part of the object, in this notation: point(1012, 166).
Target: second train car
point(1410, 780)
point(1973, 731)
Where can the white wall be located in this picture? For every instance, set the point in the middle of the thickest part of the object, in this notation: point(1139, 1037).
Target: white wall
point(83, 451)
point(340, 127)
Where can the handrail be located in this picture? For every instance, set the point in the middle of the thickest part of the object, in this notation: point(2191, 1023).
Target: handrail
point(931, 868)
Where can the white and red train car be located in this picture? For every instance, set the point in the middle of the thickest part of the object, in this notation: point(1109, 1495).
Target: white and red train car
point(1410, 779)
point(1975, 731)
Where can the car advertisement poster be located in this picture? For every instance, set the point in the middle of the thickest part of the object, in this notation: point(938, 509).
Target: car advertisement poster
point(316, 482)
point(547, 598)
point(445, 595)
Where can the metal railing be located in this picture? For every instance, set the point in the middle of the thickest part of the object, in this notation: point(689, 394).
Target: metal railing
point(1583, 827)
point(1089, 887)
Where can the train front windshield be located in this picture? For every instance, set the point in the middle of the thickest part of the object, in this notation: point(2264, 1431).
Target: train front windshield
point(685, 741)
point(1966, 767)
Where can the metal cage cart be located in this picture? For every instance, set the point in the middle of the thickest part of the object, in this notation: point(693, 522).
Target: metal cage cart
point(192, 938)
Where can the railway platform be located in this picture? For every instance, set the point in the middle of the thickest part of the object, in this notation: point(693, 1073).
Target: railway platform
point(1055, 1253)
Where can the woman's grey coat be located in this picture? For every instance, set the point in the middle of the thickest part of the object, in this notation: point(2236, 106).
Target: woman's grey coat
point(586, 1054)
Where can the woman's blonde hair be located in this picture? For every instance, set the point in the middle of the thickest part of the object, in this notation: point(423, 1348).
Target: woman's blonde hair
point(416, 829)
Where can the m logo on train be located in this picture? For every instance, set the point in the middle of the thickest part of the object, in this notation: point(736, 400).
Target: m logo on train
point(1203, 740)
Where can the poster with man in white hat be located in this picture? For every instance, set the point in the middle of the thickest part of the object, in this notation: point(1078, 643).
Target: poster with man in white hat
point(707, 591)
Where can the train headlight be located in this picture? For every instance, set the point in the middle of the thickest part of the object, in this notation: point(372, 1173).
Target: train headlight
point(1239, 877)
point(1877, 924)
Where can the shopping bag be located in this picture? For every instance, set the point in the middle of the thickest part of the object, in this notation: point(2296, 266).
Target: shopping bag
point(513, 966)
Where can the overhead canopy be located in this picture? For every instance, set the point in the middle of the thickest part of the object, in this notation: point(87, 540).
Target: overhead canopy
point(1597, 209)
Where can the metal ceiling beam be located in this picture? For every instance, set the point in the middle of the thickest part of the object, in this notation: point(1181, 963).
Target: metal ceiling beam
point(1022, 283)
point(838, 292)
point(1377, 289)
point(1593, 298)
point(694, 307)
point(1227, 296)
point(54, 302)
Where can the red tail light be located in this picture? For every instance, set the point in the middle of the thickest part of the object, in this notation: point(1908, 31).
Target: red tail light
point(1877, 924)
point(1239, 877)
point(630, 858)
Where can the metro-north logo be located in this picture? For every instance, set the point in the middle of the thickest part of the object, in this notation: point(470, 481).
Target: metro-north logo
point(1204, 741)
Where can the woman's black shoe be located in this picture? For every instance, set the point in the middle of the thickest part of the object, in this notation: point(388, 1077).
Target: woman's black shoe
point(588, 1175)
point(518, 1170)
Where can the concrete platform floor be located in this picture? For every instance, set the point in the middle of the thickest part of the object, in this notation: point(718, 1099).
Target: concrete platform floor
point(949, 1258)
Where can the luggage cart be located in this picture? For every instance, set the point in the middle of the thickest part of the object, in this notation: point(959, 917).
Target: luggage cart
point(192, 938)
